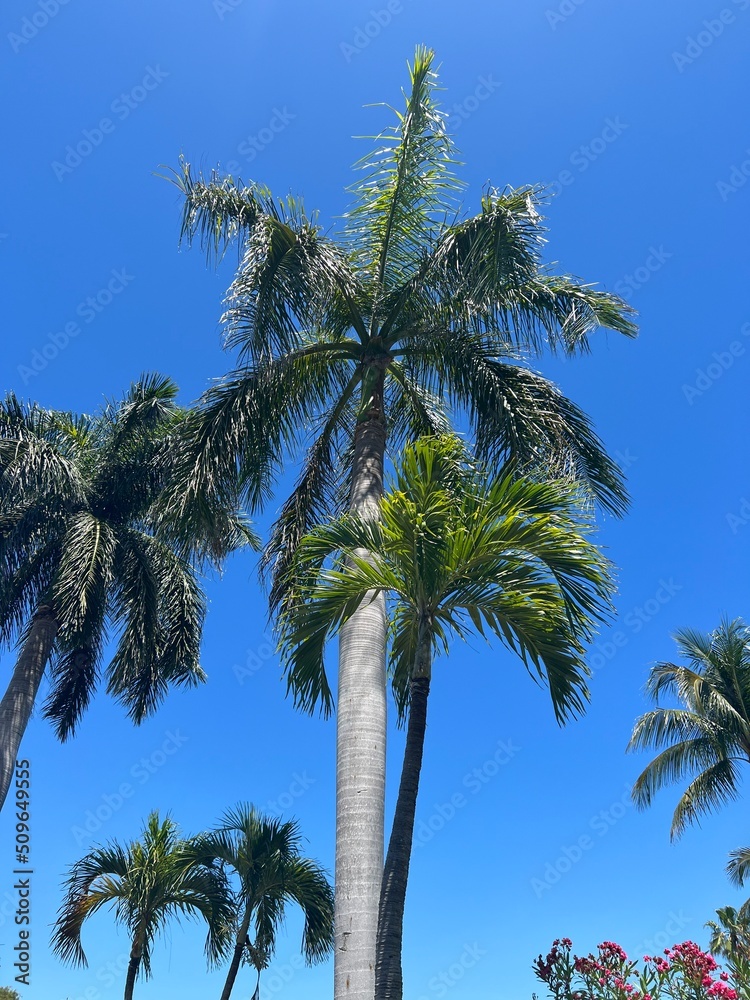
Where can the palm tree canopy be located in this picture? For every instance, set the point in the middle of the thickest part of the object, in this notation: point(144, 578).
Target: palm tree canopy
point(148, 883)
point(87, 529)
point(264, 853)
point(446, 308)
point(501, 556)
point(708, 736)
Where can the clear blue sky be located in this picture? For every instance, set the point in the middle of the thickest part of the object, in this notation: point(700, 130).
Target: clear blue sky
point(641, 145)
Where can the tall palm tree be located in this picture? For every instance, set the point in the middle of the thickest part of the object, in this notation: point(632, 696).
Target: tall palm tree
point(262, 857)
point(148, 883)
point(708, 737)
point(454, 552)
point(349, 347)
point(89, 548)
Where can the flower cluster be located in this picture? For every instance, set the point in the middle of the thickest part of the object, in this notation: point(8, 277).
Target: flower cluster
point(683, 972)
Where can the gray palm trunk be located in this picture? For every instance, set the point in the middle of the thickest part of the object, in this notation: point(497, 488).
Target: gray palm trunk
point(239, 947)
point(18, 700)
point(389, 984)
point(360, 742)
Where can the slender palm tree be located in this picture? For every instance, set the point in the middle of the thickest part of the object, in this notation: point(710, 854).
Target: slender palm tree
point(88, 548)
point(262, 857)
point(454, 552)
point(349, 347)
point(148, 883)
point(708, 736)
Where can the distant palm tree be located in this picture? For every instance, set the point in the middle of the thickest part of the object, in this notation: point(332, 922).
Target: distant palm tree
point(454, 552)
point(262, 857)
point(730, 934)
point(708, 737)
point(148, 883)
point(6, 993)
point(89, 548)
point(351, 347)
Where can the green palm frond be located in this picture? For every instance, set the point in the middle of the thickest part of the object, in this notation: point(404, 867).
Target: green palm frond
point(509, 559)
point(149, 883)
point(708, 736)
point(407, 188)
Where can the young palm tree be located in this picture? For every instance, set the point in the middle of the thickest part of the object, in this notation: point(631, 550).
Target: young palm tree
point(88, 546)
point(454, 552)
point(148, 883)
point(347, 347)
point(262, 856)
point(708, 737)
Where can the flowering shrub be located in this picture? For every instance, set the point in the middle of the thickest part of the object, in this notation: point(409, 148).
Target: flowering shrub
point(683, 972)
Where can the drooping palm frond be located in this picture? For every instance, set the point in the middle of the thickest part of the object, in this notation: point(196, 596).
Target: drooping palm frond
point(88, 530)
point(709, 737)
point(263, 854)
point(149, 883)
point(509, 559)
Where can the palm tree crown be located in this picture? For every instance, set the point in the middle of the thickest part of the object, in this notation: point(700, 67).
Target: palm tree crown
point(262, 857)
point(87, 536)
point(148, 882)
point(455, 551)
point(708, 737)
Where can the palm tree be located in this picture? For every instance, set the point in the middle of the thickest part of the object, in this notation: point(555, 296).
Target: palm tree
point(262, 854)
point(350, 347)
point(730, 934)
point(148, 883)
point(88, 547)
point(708, 737)
point(455, 552)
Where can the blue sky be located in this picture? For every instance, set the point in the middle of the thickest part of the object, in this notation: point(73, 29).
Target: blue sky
point(633, 113)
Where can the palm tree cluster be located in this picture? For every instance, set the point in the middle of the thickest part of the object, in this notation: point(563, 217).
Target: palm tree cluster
point(238, 878)
point(358, 352)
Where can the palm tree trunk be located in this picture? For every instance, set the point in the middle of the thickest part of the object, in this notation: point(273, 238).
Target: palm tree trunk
point(239, 947)
point(18, 700)
point(388, 970)
point(133, 966)
point(360, 741)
